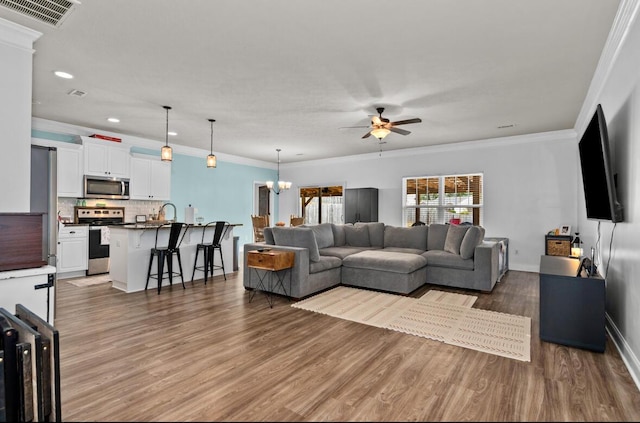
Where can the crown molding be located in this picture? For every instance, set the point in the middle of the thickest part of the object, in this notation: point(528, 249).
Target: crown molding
point(624, 19)
point(45, 125)
point(18, 36)
point(567, 135)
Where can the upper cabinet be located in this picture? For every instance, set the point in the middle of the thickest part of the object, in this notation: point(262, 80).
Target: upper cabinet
point(150, 179)
point(105, 158)
point(361, 205)
point(70, 171)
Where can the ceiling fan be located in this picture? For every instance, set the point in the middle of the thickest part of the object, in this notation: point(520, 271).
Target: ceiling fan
point(381, 127)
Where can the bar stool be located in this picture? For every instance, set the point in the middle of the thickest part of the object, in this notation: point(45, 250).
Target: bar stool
point(221, 229)
point(209, 248)
point(204, 246)
point(163, 254)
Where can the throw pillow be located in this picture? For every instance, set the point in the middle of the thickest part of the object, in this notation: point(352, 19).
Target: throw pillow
point(471, 239)
point(437, 236)
point(323, 233)
point(357, 236)
point(455, 234)
point(297, 237)
point(376, 233)
point(338, 234)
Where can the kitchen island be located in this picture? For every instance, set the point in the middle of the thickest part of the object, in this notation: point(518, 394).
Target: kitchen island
point(130, 247)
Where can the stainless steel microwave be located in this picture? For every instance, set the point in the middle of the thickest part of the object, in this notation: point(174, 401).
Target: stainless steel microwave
point(106, 187)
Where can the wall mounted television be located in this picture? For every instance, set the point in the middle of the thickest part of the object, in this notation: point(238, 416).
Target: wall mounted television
point(598, 174)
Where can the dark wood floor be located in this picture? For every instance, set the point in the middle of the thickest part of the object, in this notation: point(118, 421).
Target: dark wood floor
point(207, 354)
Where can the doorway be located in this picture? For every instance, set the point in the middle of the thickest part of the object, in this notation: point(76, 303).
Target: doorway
point(321, 204)
point(262, 202)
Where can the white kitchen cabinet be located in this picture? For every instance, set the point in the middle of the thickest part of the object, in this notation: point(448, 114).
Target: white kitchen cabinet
point(70, 171)
point(33, 288)
point(150, 179)
point(101, 158)
point(73, 250)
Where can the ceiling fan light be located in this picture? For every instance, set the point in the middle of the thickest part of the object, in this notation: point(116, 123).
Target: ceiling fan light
point(380, 133)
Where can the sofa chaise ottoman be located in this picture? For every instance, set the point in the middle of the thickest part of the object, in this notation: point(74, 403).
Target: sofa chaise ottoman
point(385, 270)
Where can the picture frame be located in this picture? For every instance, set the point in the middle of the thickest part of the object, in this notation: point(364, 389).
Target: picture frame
point(565, 230)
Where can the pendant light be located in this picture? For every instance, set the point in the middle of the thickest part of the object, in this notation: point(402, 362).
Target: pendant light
point(282, 185)
point(211, 158)
point(166, 153)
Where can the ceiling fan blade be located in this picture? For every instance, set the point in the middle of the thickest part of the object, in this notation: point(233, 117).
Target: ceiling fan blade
point(404, 122)
point(367, 135)
point(399, 131)
point(349, 127)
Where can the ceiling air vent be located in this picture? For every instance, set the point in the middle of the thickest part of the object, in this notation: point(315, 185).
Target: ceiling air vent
point(51, 12)
point(77, 93)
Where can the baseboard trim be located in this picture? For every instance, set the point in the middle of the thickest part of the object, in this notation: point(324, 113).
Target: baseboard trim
point(627, 354)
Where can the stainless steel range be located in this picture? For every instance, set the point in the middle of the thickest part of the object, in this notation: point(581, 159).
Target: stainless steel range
point(98, 219)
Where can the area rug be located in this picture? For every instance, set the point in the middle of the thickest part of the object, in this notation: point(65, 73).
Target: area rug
point(437, 315)
point(91, 280)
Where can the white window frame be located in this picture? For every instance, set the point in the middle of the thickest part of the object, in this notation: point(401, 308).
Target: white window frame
point(443, 208)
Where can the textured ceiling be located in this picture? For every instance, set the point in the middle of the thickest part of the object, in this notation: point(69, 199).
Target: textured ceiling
point(292, 74)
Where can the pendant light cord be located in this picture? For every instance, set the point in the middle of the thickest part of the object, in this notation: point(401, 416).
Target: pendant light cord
point(166, 132)
point(212, 120)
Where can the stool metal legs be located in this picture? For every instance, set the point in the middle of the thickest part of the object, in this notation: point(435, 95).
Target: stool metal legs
point(212, 251)
point(205, 267)
point(163, 256)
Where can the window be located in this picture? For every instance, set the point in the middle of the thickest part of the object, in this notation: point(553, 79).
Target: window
point(321, 204)
point(442, 199)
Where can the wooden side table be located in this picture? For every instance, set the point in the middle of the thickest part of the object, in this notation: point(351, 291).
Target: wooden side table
point(269, 263)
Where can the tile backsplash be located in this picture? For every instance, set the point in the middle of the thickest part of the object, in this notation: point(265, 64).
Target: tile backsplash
point(131, 207)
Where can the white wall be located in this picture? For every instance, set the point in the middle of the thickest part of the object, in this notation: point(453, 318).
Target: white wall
point(15, 115)
point(618, 90)
point(530, 184)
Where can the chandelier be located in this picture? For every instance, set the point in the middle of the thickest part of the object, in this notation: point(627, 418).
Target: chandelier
point(282, 185)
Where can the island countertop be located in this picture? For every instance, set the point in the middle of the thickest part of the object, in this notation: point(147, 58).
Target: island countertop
point(130, 252)
point(157, 225)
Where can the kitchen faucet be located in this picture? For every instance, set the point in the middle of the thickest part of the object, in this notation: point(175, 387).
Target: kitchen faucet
point(175, 213)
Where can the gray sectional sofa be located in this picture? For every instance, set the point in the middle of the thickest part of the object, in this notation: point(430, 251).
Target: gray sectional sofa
point(382, 257)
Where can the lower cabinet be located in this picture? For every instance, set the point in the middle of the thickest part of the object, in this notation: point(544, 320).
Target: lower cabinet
point(73, 250)
point(572, 308)
point(361, 205)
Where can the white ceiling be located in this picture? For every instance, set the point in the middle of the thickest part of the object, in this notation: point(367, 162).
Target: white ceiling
point(290, 74)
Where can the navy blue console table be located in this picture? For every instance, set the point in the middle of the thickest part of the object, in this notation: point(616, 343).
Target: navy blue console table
point(572, 308)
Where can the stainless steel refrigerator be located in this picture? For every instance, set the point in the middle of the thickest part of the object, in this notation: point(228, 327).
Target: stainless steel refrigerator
point(44, 199)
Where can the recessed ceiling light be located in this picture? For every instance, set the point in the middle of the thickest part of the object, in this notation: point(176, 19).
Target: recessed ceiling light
point(173, 134)
point(114, 120)
point(64, 75)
